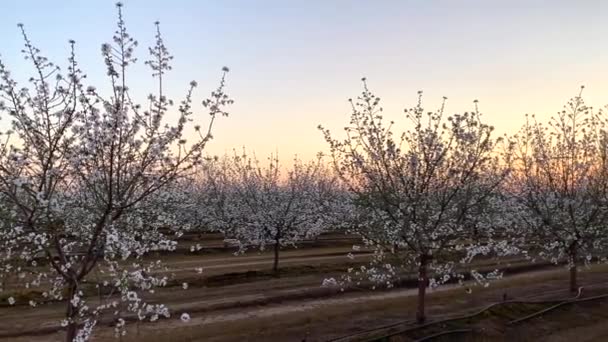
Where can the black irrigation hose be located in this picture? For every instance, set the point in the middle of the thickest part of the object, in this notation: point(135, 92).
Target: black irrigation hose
point(457, 331)
point(571, 301)
point(534, 314)
point(488, 307)
point(346, 337)
point(422, 326)
point(388, 326)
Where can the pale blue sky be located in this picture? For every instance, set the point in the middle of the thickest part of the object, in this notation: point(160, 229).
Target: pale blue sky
point(295, 63)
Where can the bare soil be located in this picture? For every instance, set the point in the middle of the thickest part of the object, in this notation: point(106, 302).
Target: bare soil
point(293, 307)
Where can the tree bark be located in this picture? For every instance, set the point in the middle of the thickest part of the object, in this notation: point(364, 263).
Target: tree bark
point(72, 328)
point(275, 265)
point(573, 267)
point(423, 282)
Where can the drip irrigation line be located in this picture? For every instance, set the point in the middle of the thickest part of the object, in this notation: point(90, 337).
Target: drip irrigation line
point(456, 331)
point(571, 301)
point(557, 303)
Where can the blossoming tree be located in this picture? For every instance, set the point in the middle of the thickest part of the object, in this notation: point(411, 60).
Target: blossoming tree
point(209, 195)
point(559, 185)
point(77, 172)
point(417, 190)
point(264, 206)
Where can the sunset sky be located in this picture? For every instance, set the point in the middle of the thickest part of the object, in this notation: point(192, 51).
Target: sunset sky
point(294, 64)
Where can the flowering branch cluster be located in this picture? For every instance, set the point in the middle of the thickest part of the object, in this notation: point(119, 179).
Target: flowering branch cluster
point(417, 193)
point(258, 205)
point(557, 192)
point(79, 172)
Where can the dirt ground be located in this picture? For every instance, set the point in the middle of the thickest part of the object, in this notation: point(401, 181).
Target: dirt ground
point(295, 308)
point(301, 269)
point(325, 319)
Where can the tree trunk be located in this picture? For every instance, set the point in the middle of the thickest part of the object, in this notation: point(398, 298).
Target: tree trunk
point(72, 328)
point(423, 282)
point(573, 267)
point(275, 265)
point(70, 334)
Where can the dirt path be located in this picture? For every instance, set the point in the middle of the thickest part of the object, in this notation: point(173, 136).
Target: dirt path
point(595, 332)
point(320, 319)
point(23, 318)
point(252, 263)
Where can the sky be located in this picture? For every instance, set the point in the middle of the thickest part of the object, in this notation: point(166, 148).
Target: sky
point(294, 64)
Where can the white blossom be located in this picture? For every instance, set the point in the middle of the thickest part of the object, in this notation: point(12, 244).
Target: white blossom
point(85, 180)
point(185, 317)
